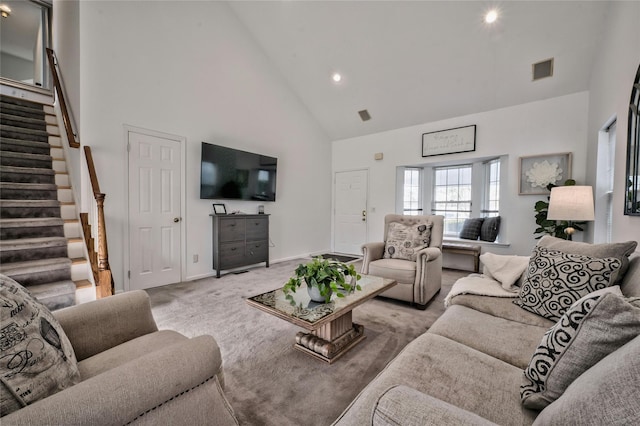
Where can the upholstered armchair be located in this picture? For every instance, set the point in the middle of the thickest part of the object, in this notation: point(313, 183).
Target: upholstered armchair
point(416, 266)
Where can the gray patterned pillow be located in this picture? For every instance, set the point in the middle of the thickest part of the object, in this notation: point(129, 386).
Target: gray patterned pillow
point(404, 241)
point(591, 329)
point(27, 327)
point(490, 229)
point(471, 228)
point(554, 280)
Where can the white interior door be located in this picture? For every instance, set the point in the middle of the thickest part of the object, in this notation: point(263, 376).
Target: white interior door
point(154, 210)
point(350, 230)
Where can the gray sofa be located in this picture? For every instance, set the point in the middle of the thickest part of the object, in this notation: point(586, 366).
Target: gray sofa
point(131, 372)
point(468, 368)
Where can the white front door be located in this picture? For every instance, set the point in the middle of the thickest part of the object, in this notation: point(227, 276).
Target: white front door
point(154, 210)
point(350, 230)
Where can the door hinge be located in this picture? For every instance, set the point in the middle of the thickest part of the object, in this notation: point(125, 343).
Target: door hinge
point(128, 146)
point(129, 274)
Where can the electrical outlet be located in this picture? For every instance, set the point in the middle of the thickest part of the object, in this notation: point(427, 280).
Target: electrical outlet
point(195, 258)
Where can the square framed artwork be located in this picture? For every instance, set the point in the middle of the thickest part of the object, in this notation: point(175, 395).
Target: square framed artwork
point(219, 209)
point(538, 171)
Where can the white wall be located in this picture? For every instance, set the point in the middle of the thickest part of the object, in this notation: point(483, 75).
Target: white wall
point(193, 71)
point(538, 128)
point(610, 90)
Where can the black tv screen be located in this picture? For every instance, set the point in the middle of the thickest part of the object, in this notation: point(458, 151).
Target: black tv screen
point(231, 174)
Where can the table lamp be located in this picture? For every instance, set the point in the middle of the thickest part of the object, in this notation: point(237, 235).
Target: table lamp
point(571, 203)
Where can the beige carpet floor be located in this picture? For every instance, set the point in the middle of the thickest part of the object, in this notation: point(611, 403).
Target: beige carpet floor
point(268, 382)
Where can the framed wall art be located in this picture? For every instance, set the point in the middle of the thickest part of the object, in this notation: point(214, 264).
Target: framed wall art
point(452, 141)
point(538, 171)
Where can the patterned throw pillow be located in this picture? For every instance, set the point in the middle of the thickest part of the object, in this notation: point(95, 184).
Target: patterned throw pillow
point(591, 329)
point(554, 280)
point(36, 357)
point(471, 228)
point(490, 229)
point(404, 241)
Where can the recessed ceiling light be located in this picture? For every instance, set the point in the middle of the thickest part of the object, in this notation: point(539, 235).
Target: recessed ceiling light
point(491, 16)
point(336, 77)
point(5, 10)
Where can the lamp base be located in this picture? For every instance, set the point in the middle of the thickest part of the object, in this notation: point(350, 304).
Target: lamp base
point(569, 231)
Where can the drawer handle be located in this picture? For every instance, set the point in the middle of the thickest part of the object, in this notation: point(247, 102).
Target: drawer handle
point(233, 224)
point(234, 249)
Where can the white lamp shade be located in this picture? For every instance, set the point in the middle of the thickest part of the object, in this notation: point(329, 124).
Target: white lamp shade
point(573, 203)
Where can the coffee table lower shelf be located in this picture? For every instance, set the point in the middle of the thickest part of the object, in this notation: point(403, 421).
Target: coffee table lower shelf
point(329, 350)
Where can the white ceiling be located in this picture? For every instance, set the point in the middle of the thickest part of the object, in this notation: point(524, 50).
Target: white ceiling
point(413, 62)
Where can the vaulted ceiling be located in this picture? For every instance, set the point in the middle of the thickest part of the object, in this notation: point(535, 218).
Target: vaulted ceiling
point(413, 62)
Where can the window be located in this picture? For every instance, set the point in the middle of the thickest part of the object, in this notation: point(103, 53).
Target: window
point(491, 201)
point(412, 199)
point(452, 196)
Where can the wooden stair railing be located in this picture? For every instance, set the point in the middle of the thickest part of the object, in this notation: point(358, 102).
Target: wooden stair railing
point(57, 83)
point(99, 260)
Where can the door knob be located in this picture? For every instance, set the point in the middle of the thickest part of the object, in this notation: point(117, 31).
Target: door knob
point(176, 219)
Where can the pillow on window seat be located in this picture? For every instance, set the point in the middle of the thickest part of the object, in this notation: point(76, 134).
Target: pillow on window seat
point(29, 328)
point(471, 228)
point(490, 229)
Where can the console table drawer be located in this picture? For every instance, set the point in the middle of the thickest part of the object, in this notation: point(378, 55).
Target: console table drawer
point(257, 251)
point(231, 254)
point(232, 229)
point(257, 228)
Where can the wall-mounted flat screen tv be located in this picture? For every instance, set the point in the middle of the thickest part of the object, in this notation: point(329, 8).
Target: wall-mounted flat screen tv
point(231, 174)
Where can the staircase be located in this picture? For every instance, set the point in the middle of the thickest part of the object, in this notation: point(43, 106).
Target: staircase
point(40, 244)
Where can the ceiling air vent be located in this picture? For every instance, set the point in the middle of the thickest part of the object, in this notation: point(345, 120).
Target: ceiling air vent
point(542, 69)
point(364, 115)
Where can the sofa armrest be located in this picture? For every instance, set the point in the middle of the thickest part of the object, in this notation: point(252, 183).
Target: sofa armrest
point(125, 393)
point(371, 252)
point(96, 326)
point(402, 405)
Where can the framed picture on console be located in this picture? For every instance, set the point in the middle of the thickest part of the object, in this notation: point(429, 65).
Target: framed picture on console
point(219, 209)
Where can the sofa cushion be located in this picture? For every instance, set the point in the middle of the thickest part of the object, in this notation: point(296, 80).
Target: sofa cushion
point(471, 228)
point(501, 307)
point(555, 280)
point(510, 341)
point(404, 241)
point(395, 269)
point(490, 229)
point(630, 284)
point(36, 357)
point(402, 405)
point(128, 351)
point(452, 373)
point(620, 251)
point(591, 329)
point(605, 394)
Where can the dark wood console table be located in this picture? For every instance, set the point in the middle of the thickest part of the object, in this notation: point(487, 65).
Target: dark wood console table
point(240, 240)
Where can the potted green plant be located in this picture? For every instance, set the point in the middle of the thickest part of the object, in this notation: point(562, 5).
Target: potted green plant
point(552, 227)
point(323, 277)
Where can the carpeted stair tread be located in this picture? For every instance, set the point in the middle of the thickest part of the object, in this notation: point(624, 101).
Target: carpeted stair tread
point(23, 159)
point(19, 228)
point(35, 265)
point(28, 191)
point(55, 295)
point(22, 111)
point(31, 203)
point(24, 145)
point(22, 122)
point(27, 174)
point(9, 100)
point(16, 132)
point(25, 249)
point(24, 243)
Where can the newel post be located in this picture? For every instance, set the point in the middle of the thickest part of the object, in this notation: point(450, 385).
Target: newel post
point(104, 271)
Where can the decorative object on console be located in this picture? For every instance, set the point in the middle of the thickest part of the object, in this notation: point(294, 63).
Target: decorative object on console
point(405, 241)
point(471, 228)
point(37, 357)
point(555, 280)
point(539, 171)
point(452, 141)
point(571, 203)
point(632, 177)
point(219, 209)
point(323, 277)
point(577, 342)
